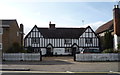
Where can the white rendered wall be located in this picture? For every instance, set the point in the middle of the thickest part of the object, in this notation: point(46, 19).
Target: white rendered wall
point(60, 51)
point(43, 51)
point(115, 42)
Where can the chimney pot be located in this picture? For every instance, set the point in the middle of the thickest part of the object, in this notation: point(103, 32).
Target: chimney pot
point(50, 22)
point(114, 6)
point(51, 26)
point(117, 6)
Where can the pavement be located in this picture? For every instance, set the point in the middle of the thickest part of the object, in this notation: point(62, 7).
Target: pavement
point(62, 64)
point(31, 73)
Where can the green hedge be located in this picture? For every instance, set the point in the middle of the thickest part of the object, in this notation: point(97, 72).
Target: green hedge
point(111, 51)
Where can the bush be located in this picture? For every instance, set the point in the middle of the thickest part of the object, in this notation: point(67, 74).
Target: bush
point(111, 51)
point(30, 49)
point(119, 46)
point(108, 51)
point(116, 51)
point(16, 48)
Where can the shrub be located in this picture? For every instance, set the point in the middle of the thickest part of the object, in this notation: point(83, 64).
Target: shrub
point(111, 51)
point(119, 46)
point(108, 51)
point(16, 48)
point(116, 51)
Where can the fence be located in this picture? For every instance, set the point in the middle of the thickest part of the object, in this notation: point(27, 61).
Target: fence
point(22, 56)
point(98, 57)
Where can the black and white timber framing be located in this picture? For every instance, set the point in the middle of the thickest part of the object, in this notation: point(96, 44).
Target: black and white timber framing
point(62, 41)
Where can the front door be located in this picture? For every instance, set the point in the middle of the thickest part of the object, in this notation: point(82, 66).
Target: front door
point(49, 52)
point(73, 50)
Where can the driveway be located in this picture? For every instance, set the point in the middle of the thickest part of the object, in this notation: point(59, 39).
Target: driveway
point(63, 64)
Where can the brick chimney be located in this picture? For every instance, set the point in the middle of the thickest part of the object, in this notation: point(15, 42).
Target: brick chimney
point(116, 20)
point(21, 33)
point(51, 26)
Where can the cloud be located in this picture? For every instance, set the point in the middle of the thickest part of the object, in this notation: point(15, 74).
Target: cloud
point(94, 25)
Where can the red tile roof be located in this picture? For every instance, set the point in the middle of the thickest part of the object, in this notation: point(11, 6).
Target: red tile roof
point(105, 27)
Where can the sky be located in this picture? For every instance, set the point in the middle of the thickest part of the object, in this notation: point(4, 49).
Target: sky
point(63, 13)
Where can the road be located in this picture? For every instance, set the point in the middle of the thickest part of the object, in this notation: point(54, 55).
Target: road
point(56, 73)
point(63, 64)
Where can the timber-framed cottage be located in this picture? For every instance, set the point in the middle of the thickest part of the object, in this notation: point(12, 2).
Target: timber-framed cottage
point(62, 41)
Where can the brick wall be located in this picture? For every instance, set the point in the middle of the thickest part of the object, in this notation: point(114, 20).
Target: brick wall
point(11, 35)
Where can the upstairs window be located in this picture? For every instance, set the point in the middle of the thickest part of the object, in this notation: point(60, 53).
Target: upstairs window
point(88, 40)
point(0, 45)
point(17, 33)
point(68, 41)
point(35, 40)
point(1, 30)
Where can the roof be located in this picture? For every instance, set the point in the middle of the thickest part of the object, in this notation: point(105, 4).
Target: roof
point(62, 32)
point(105, 27)
point(7, 22)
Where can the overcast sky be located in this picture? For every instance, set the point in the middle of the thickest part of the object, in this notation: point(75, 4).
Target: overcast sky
point(63, 14)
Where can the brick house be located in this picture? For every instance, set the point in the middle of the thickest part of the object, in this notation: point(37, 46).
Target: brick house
point(112, 26)
point(10, 33)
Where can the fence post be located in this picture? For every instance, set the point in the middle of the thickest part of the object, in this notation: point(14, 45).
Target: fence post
point(22, 56)
point(40, 55)
point(74, 56)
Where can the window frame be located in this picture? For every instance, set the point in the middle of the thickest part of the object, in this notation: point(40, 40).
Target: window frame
point(0, 46)
point(89, 40)
point(1, 30)
point(67, 50)
point(35, 40)
point(67, 41)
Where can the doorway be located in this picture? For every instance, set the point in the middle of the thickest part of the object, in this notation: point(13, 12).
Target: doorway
point(49, 52)
point(74, 50)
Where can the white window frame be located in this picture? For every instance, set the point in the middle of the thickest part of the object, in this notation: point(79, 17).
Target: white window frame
point(1, 30)
point(0, 46)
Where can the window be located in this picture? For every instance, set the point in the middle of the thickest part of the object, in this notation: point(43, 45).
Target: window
point(35, 40)
point(67, 50)
point(88, 40)
point(17, 33)
point(91, 51)
point(0, 45)
point(68, 41)
point(1, 30)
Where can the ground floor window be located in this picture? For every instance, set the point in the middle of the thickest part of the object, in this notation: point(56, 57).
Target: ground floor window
point(91, 51)
point(67, 50)
point(36, 50)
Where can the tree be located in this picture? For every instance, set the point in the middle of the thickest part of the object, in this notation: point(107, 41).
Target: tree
point(108, 40)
